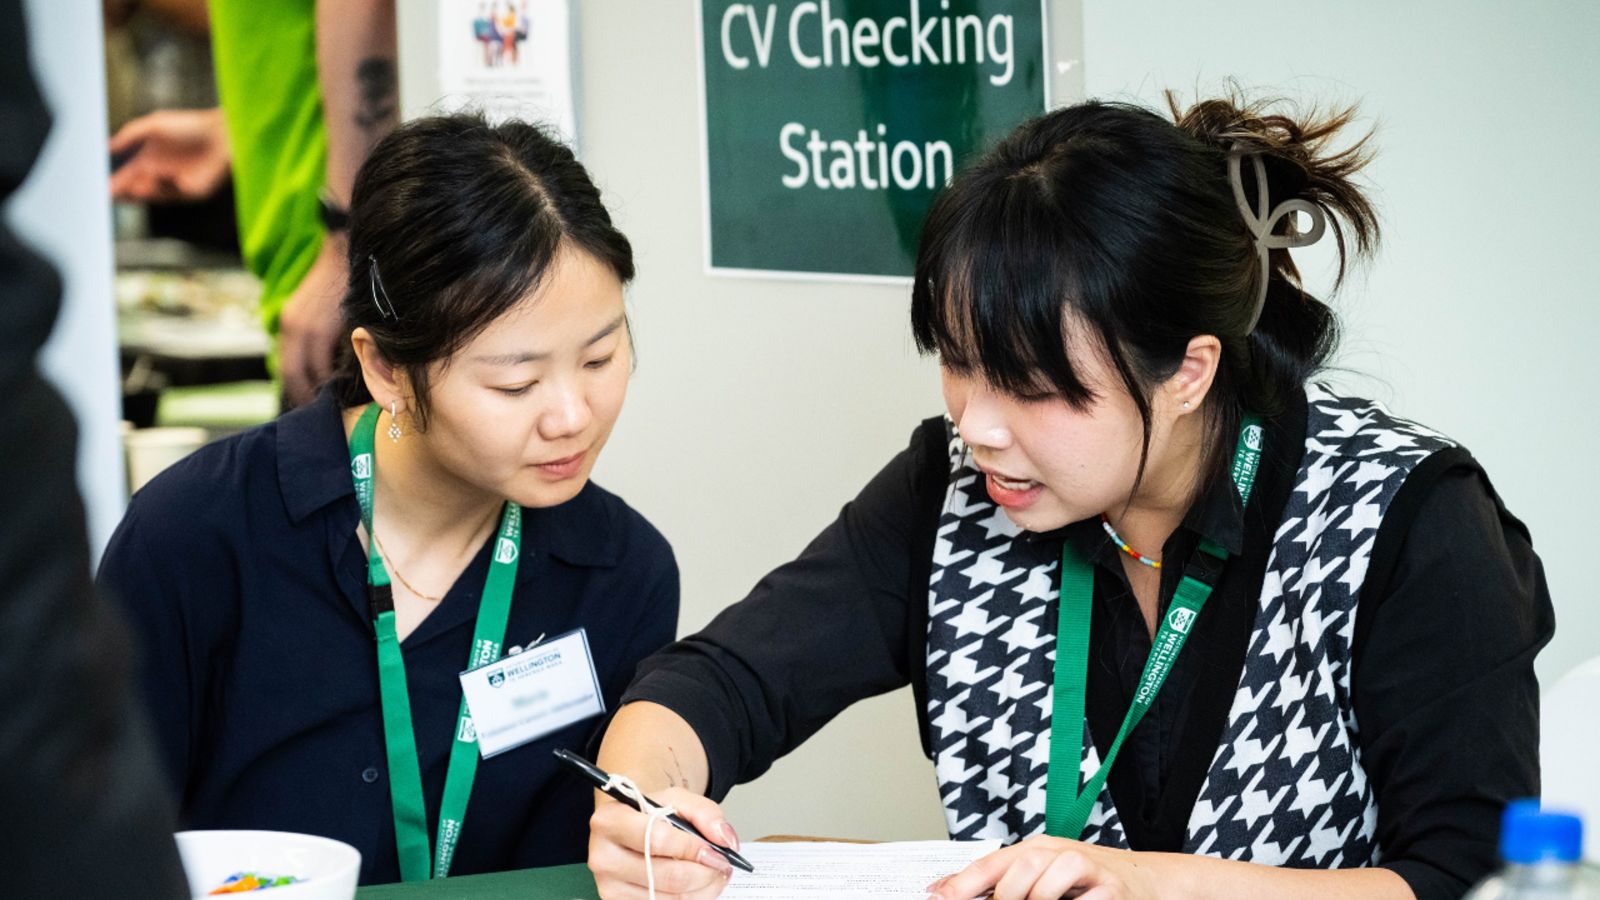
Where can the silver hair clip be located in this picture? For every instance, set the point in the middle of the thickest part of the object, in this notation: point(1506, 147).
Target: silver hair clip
point(1261, 222)
point(375, 281)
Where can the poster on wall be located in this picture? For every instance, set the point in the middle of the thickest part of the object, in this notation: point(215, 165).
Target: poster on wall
point(829, 126)
point(509, 58)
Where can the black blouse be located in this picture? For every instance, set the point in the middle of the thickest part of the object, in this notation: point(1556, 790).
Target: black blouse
point(1452, 613)
point(246, 585)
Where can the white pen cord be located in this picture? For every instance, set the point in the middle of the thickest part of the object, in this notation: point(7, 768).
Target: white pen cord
point(653, 812)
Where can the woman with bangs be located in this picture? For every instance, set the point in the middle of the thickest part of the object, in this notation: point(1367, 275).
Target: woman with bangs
point(1180, 620)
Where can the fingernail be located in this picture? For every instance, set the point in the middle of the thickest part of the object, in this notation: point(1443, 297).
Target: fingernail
point(729, 836)
point(935, 897)
point(713, 860)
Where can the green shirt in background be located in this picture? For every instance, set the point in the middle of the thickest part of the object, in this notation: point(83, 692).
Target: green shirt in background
point(266, 59)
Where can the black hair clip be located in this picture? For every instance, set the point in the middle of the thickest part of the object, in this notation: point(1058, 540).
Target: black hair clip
point(375, 281)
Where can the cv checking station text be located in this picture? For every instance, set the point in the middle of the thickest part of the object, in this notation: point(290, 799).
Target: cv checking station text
point(843, 118)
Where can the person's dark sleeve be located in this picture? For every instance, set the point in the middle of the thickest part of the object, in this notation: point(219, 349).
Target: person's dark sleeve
point(154, 567)
point(1444, 688)
point(87, 811)
point(813, 637)
point(83, 812)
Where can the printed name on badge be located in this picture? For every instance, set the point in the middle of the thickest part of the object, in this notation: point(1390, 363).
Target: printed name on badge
point(524, 697)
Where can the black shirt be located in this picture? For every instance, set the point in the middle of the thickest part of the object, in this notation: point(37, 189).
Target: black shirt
point(242, 571)
point(1453, 611)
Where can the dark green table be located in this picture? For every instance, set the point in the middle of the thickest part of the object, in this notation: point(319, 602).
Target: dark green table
point(554, 883)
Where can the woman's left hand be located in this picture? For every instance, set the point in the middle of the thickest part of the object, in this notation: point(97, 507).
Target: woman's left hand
point(1049, 868)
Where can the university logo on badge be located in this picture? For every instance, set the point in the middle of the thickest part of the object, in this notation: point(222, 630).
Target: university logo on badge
point(468, 733)
point(1180, 619)
point(505, 551)
point(1252, 437)
point(496, 679)
point(361, 466)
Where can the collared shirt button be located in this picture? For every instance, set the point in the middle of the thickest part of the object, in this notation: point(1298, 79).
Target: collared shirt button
point(370, 775)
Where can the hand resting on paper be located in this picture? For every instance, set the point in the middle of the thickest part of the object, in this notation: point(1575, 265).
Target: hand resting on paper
point(1045, 868)
point(1049, 867)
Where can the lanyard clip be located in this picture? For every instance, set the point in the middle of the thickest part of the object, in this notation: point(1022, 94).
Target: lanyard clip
point(1205, 565)
point(380, 599)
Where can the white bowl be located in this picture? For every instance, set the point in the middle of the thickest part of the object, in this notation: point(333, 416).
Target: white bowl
point(329, 868)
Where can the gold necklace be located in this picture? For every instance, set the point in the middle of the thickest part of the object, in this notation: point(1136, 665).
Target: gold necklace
point(389, 561)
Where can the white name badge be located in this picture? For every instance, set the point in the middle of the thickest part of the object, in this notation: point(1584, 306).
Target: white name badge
point(524, 697)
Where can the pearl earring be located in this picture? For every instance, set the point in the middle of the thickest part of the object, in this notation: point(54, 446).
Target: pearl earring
point(1185, 404)
point(394, 421)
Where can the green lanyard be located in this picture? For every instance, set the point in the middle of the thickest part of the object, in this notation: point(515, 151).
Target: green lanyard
point(399, 737)
point(1066, 808)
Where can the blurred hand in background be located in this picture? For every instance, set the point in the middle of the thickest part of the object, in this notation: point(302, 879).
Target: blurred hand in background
point(311, 327)
point(174, 155)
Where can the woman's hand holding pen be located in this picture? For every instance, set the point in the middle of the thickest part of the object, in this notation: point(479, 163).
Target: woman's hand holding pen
point(656, 748)
point(684, 865)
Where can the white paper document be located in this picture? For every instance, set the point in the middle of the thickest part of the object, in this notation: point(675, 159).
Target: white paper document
point(843, 871)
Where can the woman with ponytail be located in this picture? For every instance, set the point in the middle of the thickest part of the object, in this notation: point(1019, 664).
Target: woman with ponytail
point(1180, 620)
point(309, 592)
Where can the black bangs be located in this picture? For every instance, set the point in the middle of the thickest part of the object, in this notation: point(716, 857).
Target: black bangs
point(1101, 232)
point(994, 281)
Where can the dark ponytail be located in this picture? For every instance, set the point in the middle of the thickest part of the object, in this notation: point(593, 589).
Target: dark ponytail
point(1297, 332)
point(1107, 221)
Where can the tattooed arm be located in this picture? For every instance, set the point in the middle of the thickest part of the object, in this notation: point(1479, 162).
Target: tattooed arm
point(356, 69)
point(356, 49)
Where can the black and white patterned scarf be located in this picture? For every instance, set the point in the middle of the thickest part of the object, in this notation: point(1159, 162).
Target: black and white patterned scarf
point(1286, 786)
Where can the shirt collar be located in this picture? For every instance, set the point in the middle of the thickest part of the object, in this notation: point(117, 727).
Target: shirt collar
point(314, 472)
point(314, 456)
point(1218, 514)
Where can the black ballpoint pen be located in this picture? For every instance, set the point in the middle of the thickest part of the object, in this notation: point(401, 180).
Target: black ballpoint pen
point(602, 782)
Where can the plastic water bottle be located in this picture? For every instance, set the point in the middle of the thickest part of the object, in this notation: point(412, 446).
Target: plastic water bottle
point(1543, 854)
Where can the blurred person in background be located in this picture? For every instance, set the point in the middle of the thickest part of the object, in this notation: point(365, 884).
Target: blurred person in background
point(85, 813)
point(306, 88)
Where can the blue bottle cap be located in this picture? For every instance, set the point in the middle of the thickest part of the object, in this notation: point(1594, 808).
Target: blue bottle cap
point(1529, 835)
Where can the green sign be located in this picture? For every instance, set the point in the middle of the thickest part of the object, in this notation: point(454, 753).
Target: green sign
point(830, 125)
